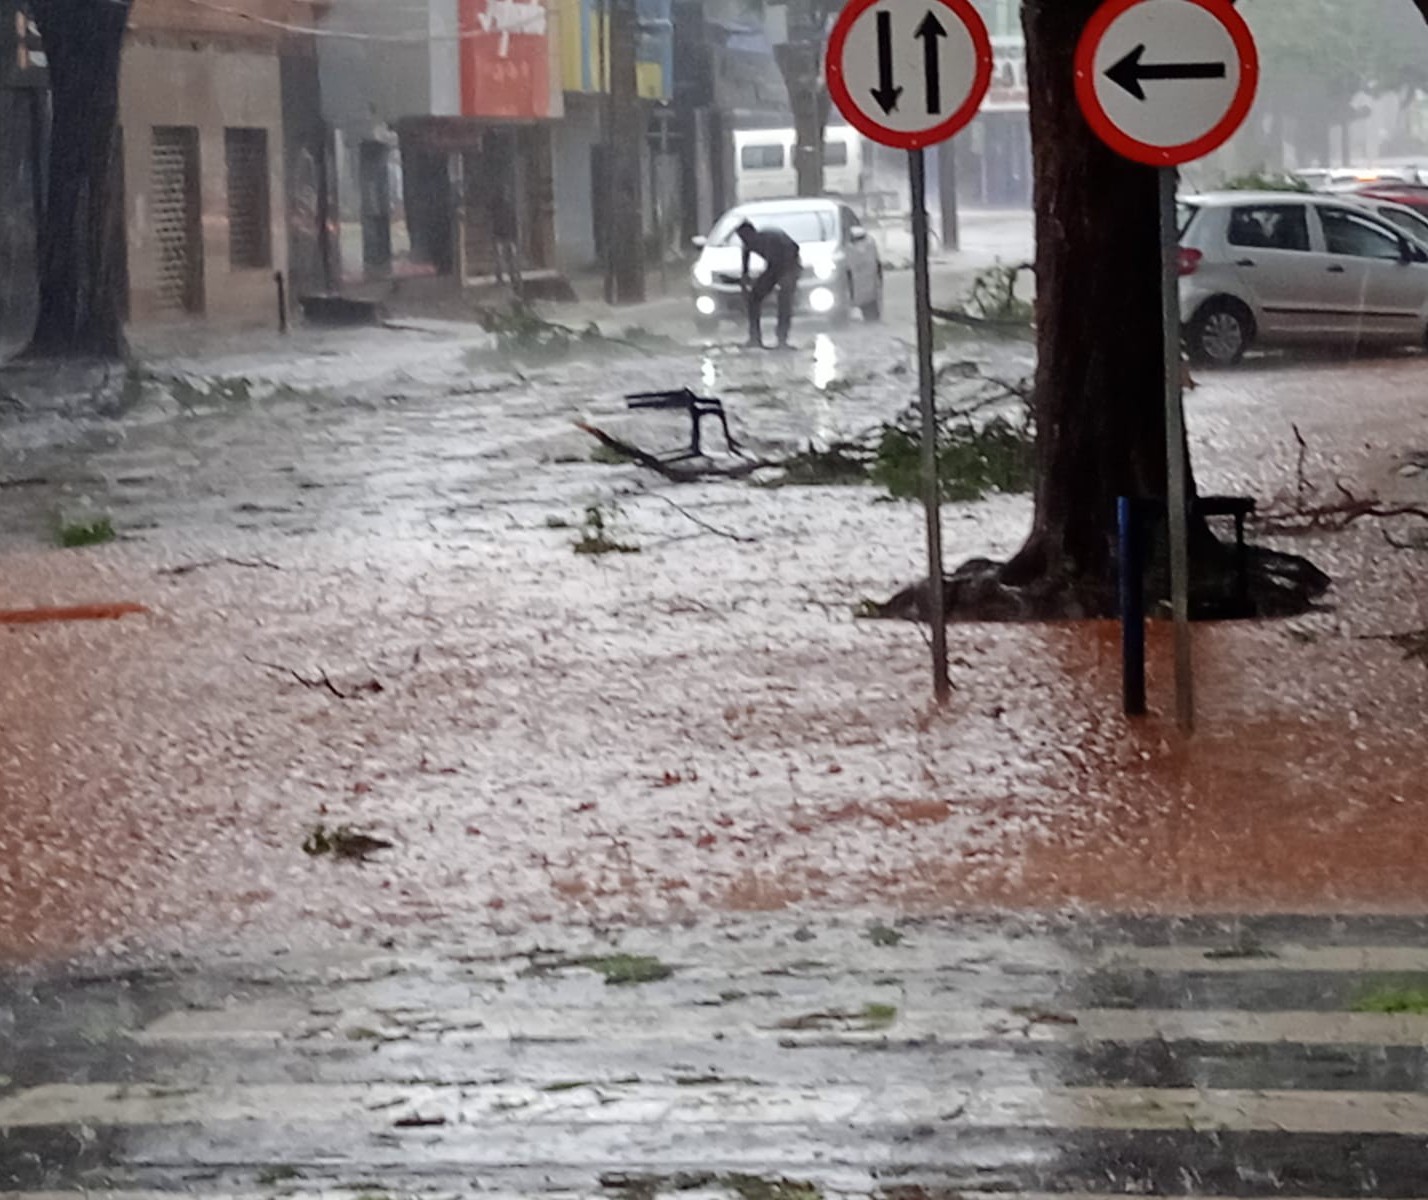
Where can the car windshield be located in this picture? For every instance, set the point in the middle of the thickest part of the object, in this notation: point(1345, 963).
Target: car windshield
point(802, 225)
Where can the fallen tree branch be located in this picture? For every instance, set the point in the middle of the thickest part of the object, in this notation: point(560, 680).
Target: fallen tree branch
point(675, 472)
point(1302, 512)
point(1018, 329)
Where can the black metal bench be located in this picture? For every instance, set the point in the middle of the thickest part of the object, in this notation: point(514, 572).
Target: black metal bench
point(698, 407)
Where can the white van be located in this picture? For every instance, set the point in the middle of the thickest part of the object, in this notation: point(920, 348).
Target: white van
point(764, 168)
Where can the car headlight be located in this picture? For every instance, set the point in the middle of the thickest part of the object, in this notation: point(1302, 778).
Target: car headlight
point(824, 269)
point(821, 300)
point(703, 274)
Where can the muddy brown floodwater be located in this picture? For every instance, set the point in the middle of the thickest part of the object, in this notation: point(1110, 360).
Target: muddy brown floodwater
point(363, 610)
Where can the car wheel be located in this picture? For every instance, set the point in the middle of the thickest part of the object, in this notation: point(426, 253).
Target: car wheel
point(1220, 333)
point(873, 310)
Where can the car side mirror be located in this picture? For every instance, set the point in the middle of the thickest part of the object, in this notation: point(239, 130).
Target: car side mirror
point(857, 234)
point(1420, 255)
point(699, 242)
point(1405, 250)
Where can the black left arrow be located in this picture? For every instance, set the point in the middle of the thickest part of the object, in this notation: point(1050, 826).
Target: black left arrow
point(1130, 72)
point(929, 30)
point(885, 93)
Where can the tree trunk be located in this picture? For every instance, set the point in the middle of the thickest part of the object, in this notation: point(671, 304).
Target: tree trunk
point(80, 265)
point(1100, 421)
point(626, 139)
point(800, 60)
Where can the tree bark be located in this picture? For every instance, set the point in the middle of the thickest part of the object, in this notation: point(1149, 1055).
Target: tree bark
point(626, 139)
point(1100, 421)
point(80, 264)
point(800, 60)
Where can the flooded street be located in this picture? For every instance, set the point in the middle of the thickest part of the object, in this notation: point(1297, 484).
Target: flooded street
point(363, 608)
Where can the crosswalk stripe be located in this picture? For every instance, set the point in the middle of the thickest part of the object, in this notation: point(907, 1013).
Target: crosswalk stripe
point(1204, 959)
point(783, 1023)
point(291, 1193)
point(666, 1107)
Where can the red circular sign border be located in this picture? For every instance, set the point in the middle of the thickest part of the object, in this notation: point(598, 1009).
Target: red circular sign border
point(1165, 156)
point(914, 139)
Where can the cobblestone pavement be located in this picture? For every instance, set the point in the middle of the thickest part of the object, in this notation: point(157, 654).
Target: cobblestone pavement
point(754, 1058)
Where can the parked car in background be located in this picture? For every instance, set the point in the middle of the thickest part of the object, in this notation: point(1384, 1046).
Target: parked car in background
point(1411, 195)
point(764, 163)
point(1278, 268)
point(841, 268)
point(1348, 179)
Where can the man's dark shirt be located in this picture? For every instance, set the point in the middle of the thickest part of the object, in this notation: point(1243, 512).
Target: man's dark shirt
point(776, 248)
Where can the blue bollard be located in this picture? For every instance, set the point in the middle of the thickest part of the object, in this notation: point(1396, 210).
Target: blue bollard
point(1132, 595)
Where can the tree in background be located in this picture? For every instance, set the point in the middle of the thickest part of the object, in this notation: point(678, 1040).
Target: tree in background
point(800, 61)
point(1317, 55)
point(81, 234)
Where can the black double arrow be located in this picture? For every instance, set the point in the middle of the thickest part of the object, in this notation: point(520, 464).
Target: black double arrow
point(888, 93)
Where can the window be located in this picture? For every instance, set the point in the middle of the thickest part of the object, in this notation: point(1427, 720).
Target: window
point(1184, 214)
point(765, 157)
point(1270, 227)
point(1411, 223)
point(835, 154)
point(249, 235)
point(1350, 234)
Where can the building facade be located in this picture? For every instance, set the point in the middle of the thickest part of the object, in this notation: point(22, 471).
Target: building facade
point(443, 113)
point(205, 160)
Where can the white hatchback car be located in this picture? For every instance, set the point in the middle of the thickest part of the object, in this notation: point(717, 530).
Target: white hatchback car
point(841, 268)
point(1273, 268)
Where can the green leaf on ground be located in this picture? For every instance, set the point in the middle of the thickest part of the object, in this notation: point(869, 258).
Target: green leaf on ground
point(75, 534)
point(622, 970)
point(1391, 998)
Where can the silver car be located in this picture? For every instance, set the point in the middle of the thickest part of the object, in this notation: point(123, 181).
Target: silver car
point(841, 268)
point(1276, 268)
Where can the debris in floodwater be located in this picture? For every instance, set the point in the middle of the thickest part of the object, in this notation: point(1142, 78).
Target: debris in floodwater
point(595, 536)
point(881, 935)
point(418, 1122)
point(871, 1017)
point(75, 534)
point(625, 969)
point(277, 1174)
point(343, 842)
point(1394, 999)
point(250, 563)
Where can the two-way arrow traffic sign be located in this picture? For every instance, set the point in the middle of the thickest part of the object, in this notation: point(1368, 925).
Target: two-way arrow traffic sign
point(1166, 81)
point(909, 73)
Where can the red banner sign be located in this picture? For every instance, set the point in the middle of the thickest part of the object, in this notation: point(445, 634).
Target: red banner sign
point(505, 59)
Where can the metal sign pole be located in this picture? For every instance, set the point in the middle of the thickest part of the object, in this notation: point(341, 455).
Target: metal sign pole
point(931, 487)
point(1177, 497)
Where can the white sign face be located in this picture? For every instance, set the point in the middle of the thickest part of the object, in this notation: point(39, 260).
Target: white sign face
point(1166, 81)
point(909, 72)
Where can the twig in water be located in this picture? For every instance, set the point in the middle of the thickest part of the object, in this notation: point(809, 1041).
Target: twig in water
point(684, 512)
point(370, 687)
point(189, 568)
